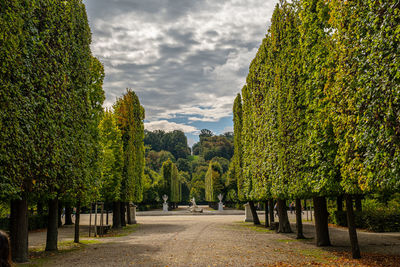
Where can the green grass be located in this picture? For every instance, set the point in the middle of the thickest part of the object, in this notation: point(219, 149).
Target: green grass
point(38, 255)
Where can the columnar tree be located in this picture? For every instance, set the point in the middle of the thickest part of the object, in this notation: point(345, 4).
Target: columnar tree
point(321, 173)
point(130, 116)
point(237, 162)
point(364, 99)
point(213, 181)
point(171, 182)
point(45, 98)
point(111, 160)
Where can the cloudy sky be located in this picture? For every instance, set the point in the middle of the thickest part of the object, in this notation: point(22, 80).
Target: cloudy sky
point(186, 59)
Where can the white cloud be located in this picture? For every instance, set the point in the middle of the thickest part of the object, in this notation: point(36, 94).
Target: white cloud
point(169, 126)
point(227, 129)
point(186, 58)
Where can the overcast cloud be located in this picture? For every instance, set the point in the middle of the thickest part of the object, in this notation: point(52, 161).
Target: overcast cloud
point(186, 59)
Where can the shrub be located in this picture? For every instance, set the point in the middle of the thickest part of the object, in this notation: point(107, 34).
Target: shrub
point(376, 216)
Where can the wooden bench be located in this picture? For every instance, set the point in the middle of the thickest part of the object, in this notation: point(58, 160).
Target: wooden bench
point(106, 229)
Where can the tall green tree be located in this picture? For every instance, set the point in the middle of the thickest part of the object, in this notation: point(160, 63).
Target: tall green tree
point(364, 98)
point(213, 182)
point(111, 159)
point(45, 98)
point(237, 161)
point(130, 116)
point(321, 175)
point(172, 185)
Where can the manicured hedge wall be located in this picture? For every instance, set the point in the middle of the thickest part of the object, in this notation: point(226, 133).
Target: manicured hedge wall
point(376, 221)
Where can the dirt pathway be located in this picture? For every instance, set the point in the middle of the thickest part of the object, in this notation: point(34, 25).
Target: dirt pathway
point(215, 241)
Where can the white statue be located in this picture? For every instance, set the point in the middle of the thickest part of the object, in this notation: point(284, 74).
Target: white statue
point(220, 204)
point(194, 202)
point(165, 204)
point(194, 207)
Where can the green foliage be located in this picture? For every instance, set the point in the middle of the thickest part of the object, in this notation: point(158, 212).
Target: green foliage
point(375, 216)
point(211, 146)
point(151, 186)
point(175, 142)
point(172, 184)
point(184, 165)
point(365, 96)
point(319, 112)
point(154, 159)
point(130, 116)
point(235, 169)
point(213, 181)
point(50, 97)
point(111, 159)
point(223, 162)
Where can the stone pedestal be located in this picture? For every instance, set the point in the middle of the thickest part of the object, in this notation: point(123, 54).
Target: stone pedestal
point(165, 207)
point(220, 206)
point(248, 214)
point(132, 208)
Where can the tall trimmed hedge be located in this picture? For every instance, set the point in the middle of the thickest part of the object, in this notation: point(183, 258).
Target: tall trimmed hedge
point(172, 185)
point(130, 116)
point(213, 181)
point(320, 105)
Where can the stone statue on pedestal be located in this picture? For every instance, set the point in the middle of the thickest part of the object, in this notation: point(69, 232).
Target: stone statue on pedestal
point(165, 204)
point(220, 204)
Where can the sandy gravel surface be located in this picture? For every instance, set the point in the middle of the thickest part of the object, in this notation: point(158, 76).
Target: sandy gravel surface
point(216, 240)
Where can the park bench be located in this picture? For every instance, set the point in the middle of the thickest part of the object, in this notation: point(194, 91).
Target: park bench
point(106, 229)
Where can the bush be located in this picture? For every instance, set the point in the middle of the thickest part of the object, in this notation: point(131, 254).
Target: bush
point(376, 216)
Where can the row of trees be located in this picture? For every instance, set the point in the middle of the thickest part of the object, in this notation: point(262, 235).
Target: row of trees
point(51, 101)
point(56, 143)
point(319, 114)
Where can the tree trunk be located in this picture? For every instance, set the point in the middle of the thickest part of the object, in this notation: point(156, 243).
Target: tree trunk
point(68, 214)
point(271, 212)
point(52, 223)
point(116, 215)
point(59, 214)
point(256, 221)
point(284, 225)
point(123, 214)
point(358, 203)
point(77, 221)
point(128, 213)
point(19, 230)
point(321, 222)
point(355, 249)
point(299, 220)
point(305, 208)
point(266, 214)
point(107, 216)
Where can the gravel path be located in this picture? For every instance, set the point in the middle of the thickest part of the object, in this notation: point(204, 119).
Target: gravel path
point(216, 240)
